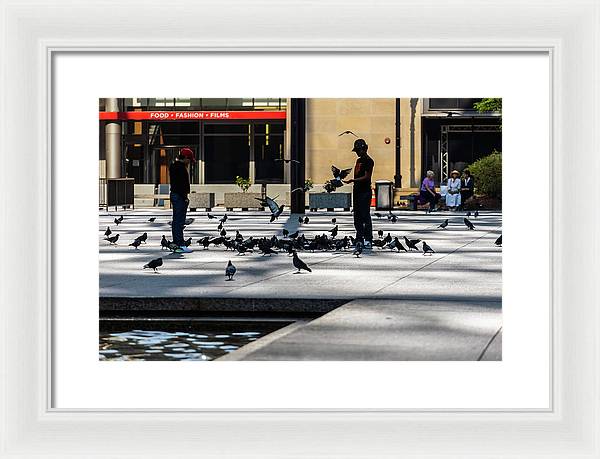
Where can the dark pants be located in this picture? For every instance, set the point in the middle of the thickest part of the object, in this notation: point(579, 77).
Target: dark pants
point(426, 196)
point(179, 205)
point(362, 216)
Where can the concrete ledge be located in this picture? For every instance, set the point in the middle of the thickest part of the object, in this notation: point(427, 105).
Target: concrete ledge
point(140, 305)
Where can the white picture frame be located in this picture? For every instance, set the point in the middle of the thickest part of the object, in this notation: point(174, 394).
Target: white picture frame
point(568, 30)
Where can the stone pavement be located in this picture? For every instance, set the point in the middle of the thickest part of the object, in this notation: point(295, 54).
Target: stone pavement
point(402, 306)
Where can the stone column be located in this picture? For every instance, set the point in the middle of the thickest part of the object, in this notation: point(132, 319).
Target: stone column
point(113, 142)
point(298, 152)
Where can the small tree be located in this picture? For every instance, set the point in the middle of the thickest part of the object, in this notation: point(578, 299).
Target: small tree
point(488, 175)
point(243, 183)
point(490, 104)
point(308, 184)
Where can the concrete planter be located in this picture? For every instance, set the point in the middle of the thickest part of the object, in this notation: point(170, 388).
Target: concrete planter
point(201, 201)
point(329, 201)
point(242, 200)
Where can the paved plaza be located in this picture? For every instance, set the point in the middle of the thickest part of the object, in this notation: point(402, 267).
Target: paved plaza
point(400, 306)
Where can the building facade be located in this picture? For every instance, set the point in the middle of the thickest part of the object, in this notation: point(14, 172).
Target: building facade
point(247, 137)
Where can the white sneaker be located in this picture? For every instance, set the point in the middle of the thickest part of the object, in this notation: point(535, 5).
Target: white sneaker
point(185, 249)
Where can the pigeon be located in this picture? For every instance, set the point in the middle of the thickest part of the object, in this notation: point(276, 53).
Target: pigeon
point(285, 232)
point(468, 224)
point(107, 232)
point(380, 234)
point(223, 218)
point(293, 235)
point(287, 161)
point(476, 214)
point(347, 132)
point(153, 264)
point(136, 243)
point(378, 215)
point(238, 236)
point(299, 264)
point(498, 241)
point(118, 220)
point(338, 176)
point(334, 231)
point(152, 219)
point(412, 244)
point(394, 219)
point(300, 220)
point(358, 250)
point(427, 249)
point(306, 220)
point(187, 242)
point(242, 249)
point(113, 239)
point(468, 213)
point(387, 239)
point(220, 227)
point(223, 232)
point(333, 220)
point(210, 217)
point(267, 251)
point(205, 241)
point(398, 245)
point(230, 270)
point(444, 224)
point(271, 204)
point(164, 243)
point(143, 238)
point(217, 240)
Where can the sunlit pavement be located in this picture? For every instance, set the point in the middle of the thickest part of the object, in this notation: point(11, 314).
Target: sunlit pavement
point(402, 306)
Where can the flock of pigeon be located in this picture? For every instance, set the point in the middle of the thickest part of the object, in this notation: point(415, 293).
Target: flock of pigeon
point(289, 243)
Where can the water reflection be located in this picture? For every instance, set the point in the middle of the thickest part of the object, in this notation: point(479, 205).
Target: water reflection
point(177, 339)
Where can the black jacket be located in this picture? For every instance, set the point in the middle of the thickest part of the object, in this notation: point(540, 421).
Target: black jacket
point(180, 180)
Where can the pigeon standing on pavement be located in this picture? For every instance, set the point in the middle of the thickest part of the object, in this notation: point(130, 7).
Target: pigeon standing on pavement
point(469, 213)
point(164, 243)
point(118, 220)
point(498, 241)
point(412, 244)
point(306, 220)
point(113, 239)
point(152, 219)
point(143, 238)
point(468, 224)
point(230, 270)
point(444, 224)
point(427, 249)
point(223, 232)
point(153, 264)
point(107, 232)
point(299, 264)
point(136, 243)
point(285, 232)
point(223, 218)
point(358, 250)
point(210, 217)
point(334, 220)
point(398, 245)
point(187, 242)
point(334, 231)
point(476, 214)
point(204, 242)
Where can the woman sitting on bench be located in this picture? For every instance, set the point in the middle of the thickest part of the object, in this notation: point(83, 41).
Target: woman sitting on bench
point(428, 193)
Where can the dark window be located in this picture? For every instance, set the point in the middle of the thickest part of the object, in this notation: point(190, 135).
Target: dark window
point(452, 103)
point(226, 155)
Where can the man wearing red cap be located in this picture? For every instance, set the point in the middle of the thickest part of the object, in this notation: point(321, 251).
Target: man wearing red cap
point(180, 188)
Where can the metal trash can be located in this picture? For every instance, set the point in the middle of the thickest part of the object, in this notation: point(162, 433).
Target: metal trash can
point(384, 194)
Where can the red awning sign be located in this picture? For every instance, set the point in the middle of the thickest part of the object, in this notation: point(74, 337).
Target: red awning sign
point(192, 115)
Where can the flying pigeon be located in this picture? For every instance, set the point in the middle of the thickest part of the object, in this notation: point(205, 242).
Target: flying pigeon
point(347, 132)
point(444, 224)
point(230, 270)
point(299, 264)
point(152, 219)
point(468, 224)
point(427, 249)
point(358, 250)
point(136, 243)
point(499, 241)
point(107, 232)
point(153, 264)
point(113, 239)
point(338, 176)
point(287, 161)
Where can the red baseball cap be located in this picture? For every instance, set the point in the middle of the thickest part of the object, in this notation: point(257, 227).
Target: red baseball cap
point(187, 153)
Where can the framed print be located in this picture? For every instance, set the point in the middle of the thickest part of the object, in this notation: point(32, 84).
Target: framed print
point(339, 231)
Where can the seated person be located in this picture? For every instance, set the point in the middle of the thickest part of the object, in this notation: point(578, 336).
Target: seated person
point(428, 193)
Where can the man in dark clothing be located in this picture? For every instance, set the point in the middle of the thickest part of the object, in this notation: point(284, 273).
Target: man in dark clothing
point(180, 188)
point(361, 193)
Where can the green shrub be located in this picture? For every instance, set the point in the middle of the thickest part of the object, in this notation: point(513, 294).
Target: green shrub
point(243, 183)
point(488, 175)
point(308, 184)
